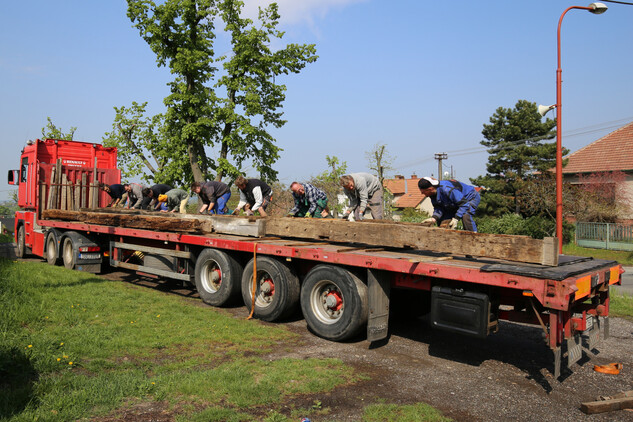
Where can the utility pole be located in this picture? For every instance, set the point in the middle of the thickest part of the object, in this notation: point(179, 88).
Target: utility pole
point(439, 157)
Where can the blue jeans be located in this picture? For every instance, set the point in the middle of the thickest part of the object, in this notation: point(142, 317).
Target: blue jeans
point(220, 205)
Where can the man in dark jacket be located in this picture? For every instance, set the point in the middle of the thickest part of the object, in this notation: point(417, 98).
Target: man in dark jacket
point(451, 200)
point(116, 192)
point(150, 195)
point(213, 195)
point(255, 195)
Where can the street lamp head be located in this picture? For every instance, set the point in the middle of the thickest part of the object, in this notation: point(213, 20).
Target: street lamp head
point(598, 8)
point(542, 110)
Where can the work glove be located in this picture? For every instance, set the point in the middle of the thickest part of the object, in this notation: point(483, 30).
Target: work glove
point(308, 215)
point(290, 214)
point(453, 224)
point(429, 221)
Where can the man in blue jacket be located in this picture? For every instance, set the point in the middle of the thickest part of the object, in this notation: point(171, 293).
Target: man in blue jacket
point(451, 200)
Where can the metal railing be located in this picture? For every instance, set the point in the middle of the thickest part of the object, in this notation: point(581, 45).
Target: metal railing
point(605, 236)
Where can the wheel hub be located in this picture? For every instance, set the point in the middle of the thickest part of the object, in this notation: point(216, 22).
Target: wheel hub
point(333, 301)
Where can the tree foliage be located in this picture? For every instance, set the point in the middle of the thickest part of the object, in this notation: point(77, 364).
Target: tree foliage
point(515, 141)
point(143, 150)
point(596, 197)
point(217, 120)
point(328, 181)
point(380, 160)
point(50, 131)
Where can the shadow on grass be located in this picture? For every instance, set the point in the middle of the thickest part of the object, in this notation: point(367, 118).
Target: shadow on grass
point(17, 377)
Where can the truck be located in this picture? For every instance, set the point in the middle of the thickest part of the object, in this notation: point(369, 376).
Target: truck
point(344, 286)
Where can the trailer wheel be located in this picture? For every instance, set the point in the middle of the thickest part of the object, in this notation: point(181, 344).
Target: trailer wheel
point(68, 254)
point(334, 302)
point(52, 255)
point(277, 290)
point(20, 250)
point(217, 277)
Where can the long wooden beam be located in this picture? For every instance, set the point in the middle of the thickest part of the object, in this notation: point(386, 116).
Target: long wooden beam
point(399, 235)
point(377, 233)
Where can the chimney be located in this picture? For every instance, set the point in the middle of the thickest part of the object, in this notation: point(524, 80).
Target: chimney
point(414, 176)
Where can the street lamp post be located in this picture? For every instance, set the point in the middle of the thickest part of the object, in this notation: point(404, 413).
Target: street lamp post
point(596, 8)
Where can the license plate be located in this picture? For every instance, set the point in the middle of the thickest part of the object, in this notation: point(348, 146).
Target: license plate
point(89, 256)
point(589, 323)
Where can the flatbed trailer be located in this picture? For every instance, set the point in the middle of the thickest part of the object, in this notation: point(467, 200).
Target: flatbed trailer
point(341, 288)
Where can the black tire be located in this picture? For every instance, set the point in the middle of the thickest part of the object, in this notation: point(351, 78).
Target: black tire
point(217, 277)
point(277, 294)
point(20, 249)
point(52, 254)
point(68, 254)
point(334, 302)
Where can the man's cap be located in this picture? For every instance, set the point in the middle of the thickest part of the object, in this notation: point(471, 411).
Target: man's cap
point(427, 182)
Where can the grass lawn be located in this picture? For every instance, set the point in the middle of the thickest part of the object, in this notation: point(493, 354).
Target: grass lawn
point(623, 257)
point(73, 346)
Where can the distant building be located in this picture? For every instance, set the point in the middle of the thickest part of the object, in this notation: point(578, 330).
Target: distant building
point(613, 152)
point(407, 195)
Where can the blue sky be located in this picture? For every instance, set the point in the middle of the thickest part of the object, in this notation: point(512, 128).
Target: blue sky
point(420, 76)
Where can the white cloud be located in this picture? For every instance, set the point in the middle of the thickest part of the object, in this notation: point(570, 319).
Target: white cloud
point(298, 11)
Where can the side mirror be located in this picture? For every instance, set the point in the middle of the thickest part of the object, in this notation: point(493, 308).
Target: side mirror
point(13, 177)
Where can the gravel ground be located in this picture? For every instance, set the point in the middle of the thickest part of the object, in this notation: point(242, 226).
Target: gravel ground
point(506, 377)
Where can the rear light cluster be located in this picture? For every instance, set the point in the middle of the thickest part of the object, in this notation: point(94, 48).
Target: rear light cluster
point(89, 249)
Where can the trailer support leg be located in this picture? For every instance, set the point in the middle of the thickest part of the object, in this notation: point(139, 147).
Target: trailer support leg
point(378, 291)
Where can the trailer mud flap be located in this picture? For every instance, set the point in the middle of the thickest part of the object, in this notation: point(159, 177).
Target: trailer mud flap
point(593, 335)
point(378, 295)
point(574, 350)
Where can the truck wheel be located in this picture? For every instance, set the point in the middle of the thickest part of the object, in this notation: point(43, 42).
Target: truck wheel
point(68, 254)
point(217, 277)
point(277, 289)
point(52, 255)
point(334, 302)
point(20, 250)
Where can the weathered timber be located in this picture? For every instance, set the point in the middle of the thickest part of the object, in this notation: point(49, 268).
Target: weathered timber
point(226, 224)
point(619, 402)
point(384, 234)
point(399, 235)
point(161, 222)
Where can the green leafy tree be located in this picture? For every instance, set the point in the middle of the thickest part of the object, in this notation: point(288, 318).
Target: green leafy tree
point(142, 146)
point(328, 181)
point(50, 131)
point(515, 139)
point(231, 116)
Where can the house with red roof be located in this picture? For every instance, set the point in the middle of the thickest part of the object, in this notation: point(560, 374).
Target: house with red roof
point(611, 153)
point(407, 195)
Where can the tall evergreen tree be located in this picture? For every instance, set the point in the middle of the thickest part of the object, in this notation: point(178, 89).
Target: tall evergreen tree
point(515, 139)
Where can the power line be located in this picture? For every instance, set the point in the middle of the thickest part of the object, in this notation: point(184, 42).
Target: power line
point(513, 144)
point(618, 2)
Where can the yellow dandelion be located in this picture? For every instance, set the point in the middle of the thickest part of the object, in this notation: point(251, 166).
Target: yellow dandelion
point(158, 316)
point(45, 317)
point(61, 344)
point(58, 359)
point(65, 357)
point(30, 345)
point(131, 322)
point(72, 306)
point(70, 363)
point(153, 383)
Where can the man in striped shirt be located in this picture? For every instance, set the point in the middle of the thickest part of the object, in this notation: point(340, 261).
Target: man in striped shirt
point(310, 201)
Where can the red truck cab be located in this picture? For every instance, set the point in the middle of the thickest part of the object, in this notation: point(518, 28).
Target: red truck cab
point(80, 167)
